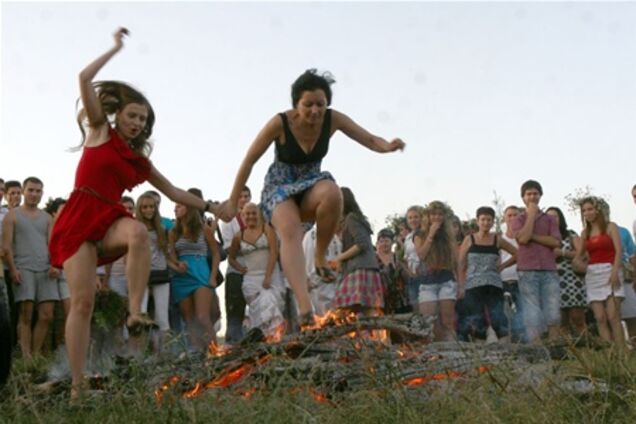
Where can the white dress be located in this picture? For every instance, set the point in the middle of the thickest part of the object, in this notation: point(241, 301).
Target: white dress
point(265, 305)
point(320, 293)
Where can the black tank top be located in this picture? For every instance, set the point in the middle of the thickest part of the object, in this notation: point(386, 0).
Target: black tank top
point(478, 248)
point(292, 153)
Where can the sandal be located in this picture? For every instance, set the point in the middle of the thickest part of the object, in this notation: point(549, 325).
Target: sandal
point(325, 274)
point(140, 323)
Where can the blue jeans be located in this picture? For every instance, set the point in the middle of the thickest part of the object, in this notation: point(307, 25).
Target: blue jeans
point(413, 291)
point(517, 327)
point(540, 296)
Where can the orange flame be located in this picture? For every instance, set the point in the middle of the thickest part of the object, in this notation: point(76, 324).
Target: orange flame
point(332, 317)
point(214, 350)
point(226, 379)
point(165, 387)
point(319, 397)
point(416, 381)
point(277, 335)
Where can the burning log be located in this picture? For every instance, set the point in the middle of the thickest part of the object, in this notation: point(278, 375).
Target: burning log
point(340, 354)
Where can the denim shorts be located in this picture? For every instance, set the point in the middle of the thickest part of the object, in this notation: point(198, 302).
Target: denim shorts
point(540, 295)
point(438, 291)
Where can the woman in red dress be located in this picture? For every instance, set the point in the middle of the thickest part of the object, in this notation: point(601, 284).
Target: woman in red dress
point(93, 228)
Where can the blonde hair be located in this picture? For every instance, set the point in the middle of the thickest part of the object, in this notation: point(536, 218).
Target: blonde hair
point(154, 222)
point(442, 254)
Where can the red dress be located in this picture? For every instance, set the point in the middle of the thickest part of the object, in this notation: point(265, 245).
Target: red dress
point(102, 175)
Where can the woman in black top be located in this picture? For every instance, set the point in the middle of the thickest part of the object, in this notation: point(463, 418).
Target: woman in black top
point(296, 191)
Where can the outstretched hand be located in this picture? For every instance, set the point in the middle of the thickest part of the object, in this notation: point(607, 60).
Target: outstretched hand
point(396, 144)
point(119, 36)
point(226, 211)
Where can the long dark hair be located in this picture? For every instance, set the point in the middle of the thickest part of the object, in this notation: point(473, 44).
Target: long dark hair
point(350, 206)
point(563, 225)
point(113, 97)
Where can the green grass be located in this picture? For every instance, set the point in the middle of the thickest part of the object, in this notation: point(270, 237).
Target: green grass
point(499, 395)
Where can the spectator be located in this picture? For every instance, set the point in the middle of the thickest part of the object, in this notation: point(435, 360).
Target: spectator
point(538, 235)
point(26, 232)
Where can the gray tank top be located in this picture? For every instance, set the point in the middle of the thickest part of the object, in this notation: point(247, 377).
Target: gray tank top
point(30, 241)
point(185, 246)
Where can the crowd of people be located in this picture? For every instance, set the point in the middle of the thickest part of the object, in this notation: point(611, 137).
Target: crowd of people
point(536, 278)
point(307, 246)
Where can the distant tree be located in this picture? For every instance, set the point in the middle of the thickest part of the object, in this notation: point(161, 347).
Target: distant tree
point(393, 222)
point(499, 205)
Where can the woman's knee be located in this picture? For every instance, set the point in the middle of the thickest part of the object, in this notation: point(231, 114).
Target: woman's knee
point(138, 235)
point(290, 231)
point(82, 305)
point(203, 319)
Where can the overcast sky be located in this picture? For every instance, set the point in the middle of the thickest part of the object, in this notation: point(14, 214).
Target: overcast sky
point(485, 95)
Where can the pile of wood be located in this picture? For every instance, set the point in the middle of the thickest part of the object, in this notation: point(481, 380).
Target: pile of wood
point(341, 355)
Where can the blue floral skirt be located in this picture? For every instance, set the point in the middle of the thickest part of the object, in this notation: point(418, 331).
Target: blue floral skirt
point(285, 181)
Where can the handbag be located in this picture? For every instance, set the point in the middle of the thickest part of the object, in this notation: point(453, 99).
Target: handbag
point(219, 278)
point(159, 276)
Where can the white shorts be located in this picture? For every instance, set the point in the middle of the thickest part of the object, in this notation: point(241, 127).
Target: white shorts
point(438, 291)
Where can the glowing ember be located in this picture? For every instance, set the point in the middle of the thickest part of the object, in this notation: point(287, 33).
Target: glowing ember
point(247, 393)
point(333, 318)
point(319, 397)
point(214, 350)
point(277, 335)
point(416, 381)
point(226, 379)
point(166, 386)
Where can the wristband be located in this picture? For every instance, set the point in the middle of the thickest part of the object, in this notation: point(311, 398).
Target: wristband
point(210, 204)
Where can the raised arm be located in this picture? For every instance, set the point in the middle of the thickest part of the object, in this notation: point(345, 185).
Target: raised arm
point(265, 137)
point(92, 106)
point(342, 122)
point(178, 195)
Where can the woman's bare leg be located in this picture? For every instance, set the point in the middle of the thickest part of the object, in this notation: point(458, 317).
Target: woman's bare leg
point(129, 235)
point(323, 203)
point(613, 308)
point(203, 298)
point(447, 318)
point(601, 320)
point(286, 221)
point(80, 270)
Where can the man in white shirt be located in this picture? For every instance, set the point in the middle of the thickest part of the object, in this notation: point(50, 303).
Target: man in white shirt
point(510, 278)
point(234, 300)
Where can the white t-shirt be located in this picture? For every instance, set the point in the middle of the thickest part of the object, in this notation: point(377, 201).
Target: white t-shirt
point(228, 231)
point(410, 254)
point(510, 273)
